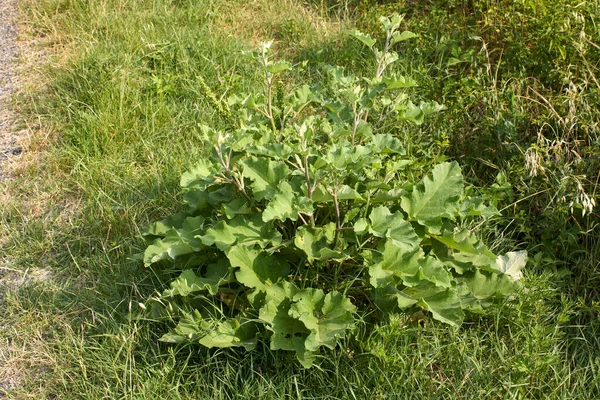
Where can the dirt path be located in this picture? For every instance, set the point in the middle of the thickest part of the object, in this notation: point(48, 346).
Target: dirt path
point(10, 150)
point(11, 138)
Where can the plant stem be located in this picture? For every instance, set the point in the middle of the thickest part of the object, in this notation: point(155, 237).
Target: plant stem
point(338, 221)
point(270, 101)
point(309, 188)
point(230, 178)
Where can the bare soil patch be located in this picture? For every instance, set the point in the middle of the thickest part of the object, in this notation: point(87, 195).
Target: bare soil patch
point(12, 139)
point(18, 361)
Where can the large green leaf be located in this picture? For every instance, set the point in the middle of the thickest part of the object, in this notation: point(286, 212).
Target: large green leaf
point(288, 333)
point(393, 226)
point(365, 38)
point(400, 37)
point(210, 332)
point(394, 262)
point(436, 197)
point(233, 332)
point(278, 66)
point(412, 267)
point(160, 228)
point(256, 268)
point(176, 242)
point(265, 175)
point(199, 198)
point(345, 192)
point(443, 304)
point(188, 282)
point(474, 207)
point(235, 207)
point(484, 285)
point(386, 143)
point(315, 242)
point(221, 235)
point(389, 298)
point(512, 263)
point(344, 156)
point(433, 270)
point(201, 172)
point(278, 151)
point(285, 204)
point(158, 251)
point(327, 316)
point(242, 230)
point(464, 249)
point(398, 82)
point(190, 328)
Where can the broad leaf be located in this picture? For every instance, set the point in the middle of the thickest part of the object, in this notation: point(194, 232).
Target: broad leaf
point(466, 248)
point(288, 333)
point(235, 207)
point(327, 316)
point(512, 263)
point(398, 82)
point(160, 228)
point(278, 151)
point(474, 207)
point(400, 37)
point(203, 170)
point(443, 304)
point(241, 230)
point(394, 262)
point(412, 267)
point(231, 333)
point(190, 328)
point(176, 242)
point(188, 282)
point(285, 204)
point(436, 197)
point(315, 242)
point(385, 143)
point(345, 192)
point(278, 66)
point(265, 175)
point(256, 268)
point(363, 37)
point(390, 195)
point(389, 298)
point(393, 226)
point(484, 285)
point(199, 197)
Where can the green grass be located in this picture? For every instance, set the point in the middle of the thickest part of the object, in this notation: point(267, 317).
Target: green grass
point(122, 107)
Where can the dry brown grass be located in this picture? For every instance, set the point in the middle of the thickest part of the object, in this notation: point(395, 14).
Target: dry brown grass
point(290, 24)
point(26, 356)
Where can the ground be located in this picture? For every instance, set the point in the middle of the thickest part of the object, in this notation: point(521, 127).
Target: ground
point(13, 142)
point(11, 138)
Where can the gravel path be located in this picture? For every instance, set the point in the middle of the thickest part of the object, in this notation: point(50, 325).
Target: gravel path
point(10, 137)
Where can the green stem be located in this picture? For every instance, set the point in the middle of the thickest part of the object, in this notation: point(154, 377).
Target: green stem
point(309, 188)
point(270, 101)
point(338, 221)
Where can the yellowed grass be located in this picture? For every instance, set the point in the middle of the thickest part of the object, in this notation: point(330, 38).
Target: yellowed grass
point(290, 24)
point(27, 356)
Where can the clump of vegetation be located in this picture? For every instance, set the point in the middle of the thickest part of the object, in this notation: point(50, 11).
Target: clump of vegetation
point(121, 120)
point(520, 80)
point(308, 213)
